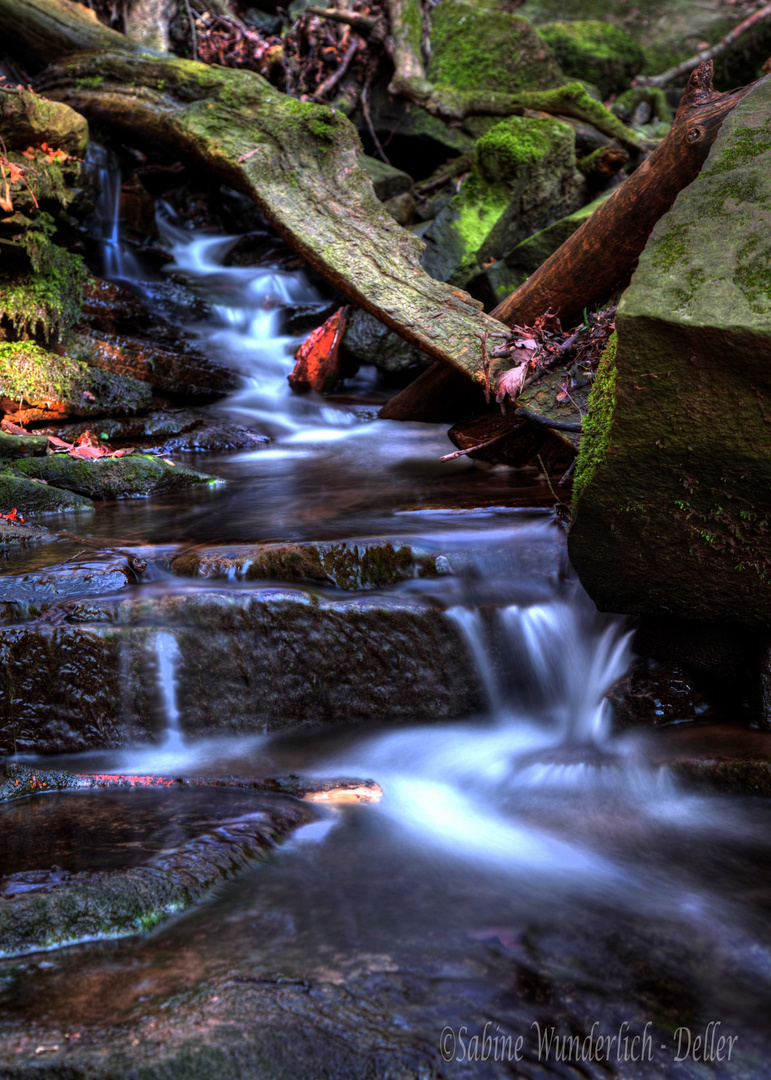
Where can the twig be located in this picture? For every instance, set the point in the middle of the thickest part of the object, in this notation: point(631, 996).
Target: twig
point(368, 120)
point(568, 472)
point(353, 19)
point(687, 66)
point(482, 445)
point(331, 82)
point(193, 31)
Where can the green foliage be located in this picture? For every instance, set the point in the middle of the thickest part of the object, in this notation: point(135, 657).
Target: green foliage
point(48, 300)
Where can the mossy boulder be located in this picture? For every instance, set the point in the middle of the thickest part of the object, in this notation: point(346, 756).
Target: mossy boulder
point(39, 385)
point(597, 52)
point(497, 281)
point(19, 446)
point(523, 177)
point(31, 497)
point(672, 497)
point(478, 47)
point(131, 477)
point(26, 119)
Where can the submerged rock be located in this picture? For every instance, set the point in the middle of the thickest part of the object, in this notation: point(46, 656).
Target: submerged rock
point(672, 498)
point(171, 431)
point(131, 477)
point(44, 909)
point(36, 385)
point(359, 564)
point(654, 693)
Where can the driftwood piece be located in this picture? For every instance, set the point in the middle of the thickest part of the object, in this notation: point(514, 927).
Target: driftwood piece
point(298, 161)
point(599, 258)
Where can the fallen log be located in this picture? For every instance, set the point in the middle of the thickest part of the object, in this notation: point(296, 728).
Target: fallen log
point(599, 258)
point(298, 161)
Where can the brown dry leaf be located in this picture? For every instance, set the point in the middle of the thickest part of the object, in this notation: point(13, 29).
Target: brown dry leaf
point(510, 382)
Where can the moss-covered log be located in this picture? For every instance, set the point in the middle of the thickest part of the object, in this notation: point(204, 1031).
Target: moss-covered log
point(298, 161)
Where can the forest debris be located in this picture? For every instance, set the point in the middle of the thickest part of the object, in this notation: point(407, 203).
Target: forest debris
point(317, 362)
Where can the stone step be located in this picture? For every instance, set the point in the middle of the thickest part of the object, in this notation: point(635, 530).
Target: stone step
point(252, 660)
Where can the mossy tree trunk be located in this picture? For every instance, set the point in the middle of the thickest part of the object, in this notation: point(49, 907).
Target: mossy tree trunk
point(298, 161)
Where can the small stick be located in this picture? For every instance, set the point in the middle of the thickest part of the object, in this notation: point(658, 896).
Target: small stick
point(193, 32)
point(556, 425)
point(336, 76)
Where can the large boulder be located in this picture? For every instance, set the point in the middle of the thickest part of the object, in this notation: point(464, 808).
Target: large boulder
point(672, 500)
point(523, 177)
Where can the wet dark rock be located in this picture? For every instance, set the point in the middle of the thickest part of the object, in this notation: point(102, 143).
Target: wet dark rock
point(299, 319)
point(24, 596)
point(261, 660)
point(169, 432)
point(131, 477)
point(42, 909)
point(361, 564)
point(15, 534)
point(185, 375)
point(655, 692)
point(369, 341)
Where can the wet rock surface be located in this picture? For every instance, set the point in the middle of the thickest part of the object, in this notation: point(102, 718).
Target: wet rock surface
point(263, 660)
point(172, 853)
point(168, 432)
point(348, 565)
point(131, 477)
point(654, 693)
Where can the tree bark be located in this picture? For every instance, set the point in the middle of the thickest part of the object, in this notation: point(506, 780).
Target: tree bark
point(599, 258)
point(298, 161)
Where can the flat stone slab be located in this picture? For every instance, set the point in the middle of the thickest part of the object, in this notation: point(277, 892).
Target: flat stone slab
point(249, 660)
point(47, 908)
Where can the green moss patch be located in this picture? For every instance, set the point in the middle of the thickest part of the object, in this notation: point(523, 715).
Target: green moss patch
point(598, 422)
point(474, 48)
point(597, 52)
point(131, 477)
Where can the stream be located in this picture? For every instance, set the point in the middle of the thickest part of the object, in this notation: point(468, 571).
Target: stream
point(527, 870)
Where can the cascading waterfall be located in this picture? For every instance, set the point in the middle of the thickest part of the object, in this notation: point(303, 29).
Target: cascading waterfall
point(118, 262)
point(167, 658)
